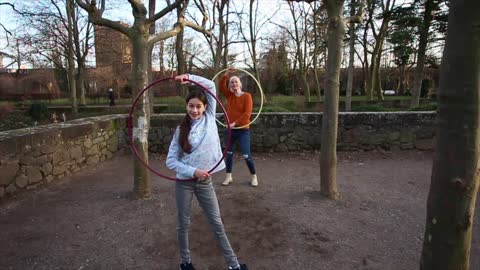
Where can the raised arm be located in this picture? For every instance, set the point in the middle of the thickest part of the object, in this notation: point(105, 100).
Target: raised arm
point(223, 85)
point(210, 85)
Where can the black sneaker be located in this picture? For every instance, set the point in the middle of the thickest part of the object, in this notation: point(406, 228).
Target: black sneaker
point(187, 266)
point(241, 267)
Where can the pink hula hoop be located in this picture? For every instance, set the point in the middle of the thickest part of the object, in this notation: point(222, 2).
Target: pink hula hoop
point(130, 130)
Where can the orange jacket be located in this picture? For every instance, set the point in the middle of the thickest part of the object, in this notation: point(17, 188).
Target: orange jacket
point(239, 109)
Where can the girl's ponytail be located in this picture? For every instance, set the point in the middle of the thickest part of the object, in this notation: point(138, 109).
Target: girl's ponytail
point(186, 125)
point(184, 132)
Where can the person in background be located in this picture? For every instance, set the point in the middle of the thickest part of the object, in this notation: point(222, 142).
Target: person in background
point(239, 110)
point(111, 96)
point(195, 149)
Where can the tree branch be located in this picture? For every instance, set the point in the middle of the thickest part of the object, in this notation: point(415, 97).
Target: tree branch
point(360, 14)
point(95, 16)
point(164, 11)
point(177, 28)
point(138, 7)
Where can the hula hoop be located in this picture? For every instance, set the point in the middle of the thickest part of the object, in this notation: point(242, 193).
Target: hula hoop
point(130, 130)
point(261, 96)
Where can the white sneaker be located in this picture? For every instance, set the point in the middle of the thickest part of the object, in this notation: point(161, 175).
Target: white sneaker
point(228, 179)
point(254, 181)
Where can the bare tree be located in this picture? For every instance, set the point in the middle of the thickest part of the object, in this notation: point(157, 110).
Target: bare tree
point(142, 42)
point(320, 23)
point(299, 35)
point(249, 26)
point(8, 34)
point(351, 58)
point(374, 80)
point(455, 178)
point(181, 62)
point(430, 6)
point(71, 64)
point(50, 32)
point(328, 154)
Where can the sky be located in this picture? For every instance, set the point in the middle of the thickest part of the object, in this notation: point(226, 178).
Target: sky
point(122, 11)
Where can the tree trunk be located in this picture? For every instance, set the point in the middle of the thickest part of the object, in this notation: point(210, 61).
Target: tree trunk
point(81, 82)
point(141, 42)
point(151, 31)
point(181, 63)
point(305, 85)
point(366, 66)
point(422, 48)
point(141, 116)
point(253, 39)
point(351, 45)
point(222, 29)
point(318, 90)
point(70, 60)
point(377, 78)
point(373, 83)
point(455, 177)
point(328, 155)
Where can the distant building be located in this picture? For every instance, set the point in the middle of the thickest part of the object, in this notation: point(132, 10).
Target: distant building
point(28, 84)
point(113, 57)
point(111, 47)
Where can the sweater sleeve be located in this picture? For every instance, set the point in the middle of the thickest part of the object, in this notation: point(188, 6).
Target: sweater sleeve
point(224, 85)
point(173, 161)
point(210, 85)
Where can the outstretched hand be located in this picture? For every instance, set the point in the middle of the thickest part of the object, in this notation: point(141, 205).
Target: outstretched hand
point(231, 70)
point(183, 79)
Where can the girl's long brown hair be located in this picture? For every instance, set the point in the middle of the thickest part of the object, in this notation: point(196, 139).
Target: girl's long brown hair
point(194, 92)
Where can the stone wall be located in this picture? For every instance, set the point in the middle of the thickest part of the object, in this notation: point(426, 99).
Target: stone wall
point(280, 132)
point(34, 156)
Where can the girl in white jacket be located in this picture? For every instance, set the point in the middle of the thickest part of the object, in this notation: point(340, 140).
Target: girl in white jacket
point(195, 149)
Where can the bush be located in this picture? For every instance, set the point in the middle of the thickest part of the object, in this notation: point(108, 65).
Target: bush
point(38, 111)
point(174, 109)
point(6, 109)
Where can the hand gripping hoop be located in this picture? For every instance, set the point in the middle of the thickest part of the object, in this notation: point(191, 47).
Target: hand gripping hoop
point(261, 96)
point(130, 130)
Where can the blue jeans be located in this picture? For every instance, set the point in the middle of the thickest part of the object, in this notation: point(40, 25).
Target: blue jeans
point(207, 198)
point(243, 137)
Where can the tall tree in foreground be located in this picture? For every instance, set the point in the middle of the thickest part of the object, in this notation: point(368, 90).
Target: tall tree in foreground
point(142, 42)
point(328, 154)
point(72, 87)
point(455, 177)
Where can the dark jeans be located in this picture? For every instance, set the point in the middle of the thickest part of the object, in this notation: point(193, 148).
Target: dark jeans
point(243, 137)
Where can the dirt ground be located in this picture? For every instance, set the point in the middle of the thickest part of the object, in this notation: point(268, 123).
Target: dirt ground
point(89, 221)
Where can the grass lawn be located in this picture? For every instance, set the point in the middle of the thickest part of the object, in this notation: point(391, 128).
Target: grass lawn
point(12, 118)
